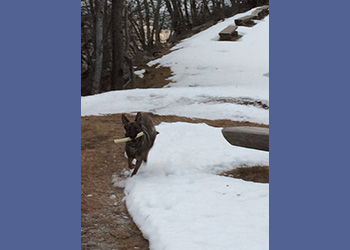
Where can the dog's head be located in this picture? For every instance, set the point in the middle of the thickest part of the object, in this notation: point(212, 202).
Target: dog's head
point(132, 128)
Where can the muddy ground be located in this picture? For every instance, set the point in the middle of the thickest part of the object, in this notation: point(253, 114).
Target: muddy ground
point(105, 222)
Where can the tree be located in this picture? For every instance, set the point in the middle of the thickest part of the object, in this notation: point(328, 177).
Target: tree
point(100, 8)
point(115, 34)
point(117, 45)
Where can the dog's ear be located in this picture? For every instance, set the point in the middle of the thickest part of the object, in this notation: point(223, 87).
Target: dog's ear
point(125, 120)
point(138, 118)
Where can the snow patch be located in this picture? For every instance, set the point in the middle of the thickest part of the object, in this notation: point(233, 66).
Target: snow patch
point(140, 73)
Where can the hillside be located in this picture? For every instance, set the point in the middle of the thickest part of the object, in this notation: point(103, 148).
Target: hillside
point(179, 200)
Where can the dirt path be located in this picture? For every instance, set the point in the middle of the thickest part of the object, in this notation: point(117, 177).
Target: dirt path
point(105, 222)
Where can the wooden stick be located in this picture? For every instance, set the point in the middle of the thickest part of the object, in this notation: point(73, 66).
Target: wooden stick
point(126, 139)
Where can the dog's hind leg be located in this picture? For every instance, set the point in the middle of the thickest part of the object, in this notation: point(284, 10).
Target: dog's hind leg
point(138, 164)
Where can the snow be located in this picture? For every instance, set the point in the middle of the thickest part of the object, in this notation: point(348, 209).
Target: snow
point(184, 149)
point(140, 73)
point(202, 60)
point(177, 199)
point(211, 78)
point(199, 211)
point(183, 101)
point(179, 202)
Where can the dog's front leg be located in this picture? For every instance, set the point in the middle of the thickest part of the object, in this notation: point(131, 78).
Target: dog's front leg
point(130, 162)
point(138, 164)
point(145, 160)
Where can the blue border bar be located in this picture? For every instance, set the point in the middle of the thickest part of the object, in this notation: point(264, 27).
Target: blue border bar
point(40, 125)
point(309, 125)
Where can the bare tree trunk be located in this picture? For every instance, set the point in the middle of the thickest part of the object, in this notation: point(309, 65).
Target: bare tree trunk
point(126, 27)
point(161, 23)
point(187, 15)
point(100, 4)
point(131, 71)
point(87, 45)
point(149, 38)
point(137, 31)
point(174, 12)
point(156, 26)
point(118, 45)
point(141, 25)
point(86, 55)
point(194, 12)
point(127, 48)
point(218, 12)
point(206, 12)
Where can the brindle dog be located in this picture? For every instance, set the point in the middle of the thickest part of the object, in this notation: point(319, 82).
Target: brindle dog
point(138, 148)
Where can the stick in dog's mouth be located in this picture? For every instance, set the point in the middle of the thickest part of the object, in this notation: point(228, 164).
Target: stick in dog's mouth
point(126, 139)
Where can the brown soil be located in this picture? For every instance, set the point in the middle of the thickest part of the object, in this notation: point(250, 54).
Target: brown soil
point(256, 174)
point(105, 222)
point(154, 77)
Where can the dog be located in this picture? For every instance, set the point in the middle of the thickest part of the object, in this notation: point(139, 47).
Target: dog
point(138, 148)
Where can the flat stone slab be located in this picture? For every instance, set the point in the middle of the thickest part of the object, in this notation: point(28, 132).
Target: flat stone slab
point(261, 12)
point(246, 20)
point(228, 33)
point(248, 137)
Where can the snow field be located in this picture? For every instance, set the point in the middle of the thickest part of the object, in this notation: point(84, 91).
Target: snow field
point(179, 203)
point(199, 211)
point(182, 101)
point(204, 70)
